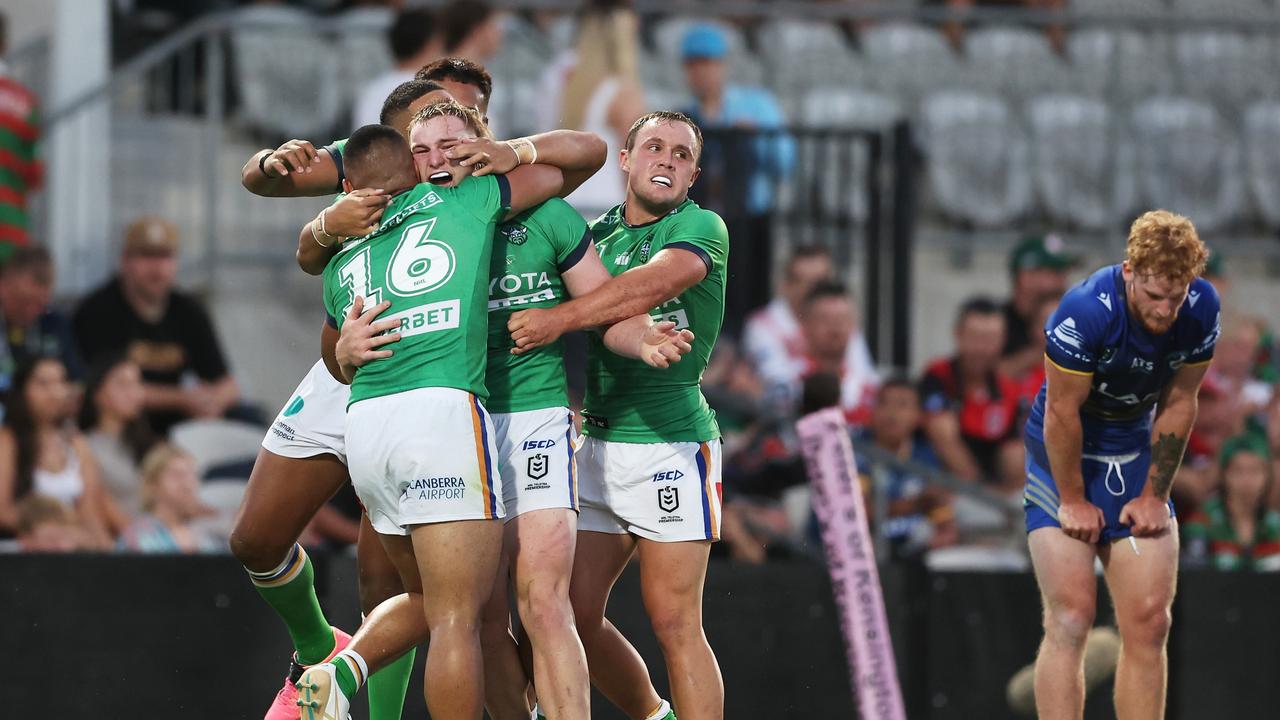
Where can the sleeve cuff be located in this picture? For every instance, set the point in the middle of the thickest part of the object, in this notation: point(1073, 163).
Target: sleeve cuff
point(336, 154)
point(576, 256)
point(504, 191)
point(703, 255)
point(331, 322)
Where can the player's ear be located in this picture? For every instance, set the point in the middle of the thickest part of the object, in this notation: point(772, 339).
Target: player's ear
point(696, 172)
point(347, 186)
point(624, 160)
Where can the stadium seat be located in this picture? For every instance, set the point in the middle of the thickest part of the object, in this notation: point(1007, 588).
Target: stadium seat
point(834, 170)
point(1015, 61)
point(285, 73)
point(1188, 161)
point(978, 160)
point(362, 38)
point(217, 442)
point(1120, 8)
point(1224, 67)
point(1247, 10)
point(1262, 159)
point(802, 54)
point(1122, 65)
point(909, 60)
point(223, 497)
point(1083, 169)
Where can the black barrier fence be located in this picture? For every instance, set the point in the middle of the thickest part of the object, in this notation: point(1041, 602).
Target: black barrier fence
point(162, 637)
point(850, 190)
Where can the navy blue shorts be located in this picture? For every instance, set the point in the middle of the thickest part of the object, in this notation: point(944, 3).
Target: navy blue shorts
point(1109, 483)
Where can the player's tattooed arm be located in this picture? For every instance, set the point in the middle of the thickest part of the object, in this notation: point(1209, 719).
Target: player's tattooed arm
point(1166, 456)
point(1175, 414)
point(295, 169)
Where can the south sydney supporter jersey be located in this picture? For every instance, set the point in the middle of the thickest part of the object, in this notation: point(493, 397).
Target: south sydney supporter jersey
point(430, 258)
point(628, 401)
point(529, 253)
point(1093, 333)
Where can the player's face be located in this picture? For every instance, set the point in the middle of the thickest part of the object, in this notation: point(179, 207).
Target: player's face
point(896, 415)
point(662, 163)
point(122, 393)
point(1154, 300)
point(1245, 478)
point(828, 325)
point(426, 139)
point(46, 392)
point(979, 340)
point(400, 121)
point(468, 96)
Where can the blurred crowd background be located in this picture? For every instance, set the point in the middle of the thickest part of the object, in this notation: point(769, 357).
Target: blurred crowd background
point(910, 187)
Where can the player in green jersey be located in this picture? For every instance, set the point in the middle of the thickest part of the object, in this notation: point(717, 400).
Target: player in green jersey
point(538, 256)
point(420, 443)
point(649, 469)
point(301, 465)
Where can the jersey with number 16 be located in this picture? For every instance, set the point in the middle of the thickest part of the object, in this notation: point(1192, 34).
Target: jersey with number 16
point(430, 259)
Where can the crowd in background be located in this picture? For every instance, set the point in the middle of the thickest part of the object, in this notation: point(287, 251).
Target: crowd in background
point(90, 397)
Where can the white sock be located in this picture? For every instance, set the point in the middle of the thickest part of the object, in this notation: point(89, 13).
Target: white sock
point(661, 712)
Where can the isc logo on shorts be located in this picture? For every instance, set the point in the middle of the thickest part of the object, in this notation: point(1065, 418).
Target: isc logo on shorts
point(667, 476)
point(537, 444)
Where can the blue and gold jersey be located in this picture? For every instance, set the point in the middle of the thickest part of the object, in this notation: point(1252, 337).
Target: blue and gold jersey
point(1092, 333)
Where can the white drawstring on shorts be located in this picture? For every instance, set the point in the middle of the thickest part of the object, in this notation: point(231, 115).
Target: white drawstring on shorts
point(1115, 464)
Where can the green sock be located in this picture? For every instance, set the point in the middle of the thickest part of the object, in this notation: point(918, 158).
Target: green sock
point(388, 686)
point(349, 672)
point(290, 590)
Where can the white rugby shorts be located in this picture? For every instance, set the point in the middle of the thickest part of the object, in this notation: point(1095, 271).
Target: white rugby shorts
point(313, 421)
point(535, 460)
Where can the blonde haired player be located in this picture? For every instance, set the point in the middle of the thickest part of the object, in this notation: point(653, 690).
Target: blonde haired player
point(1125, 353)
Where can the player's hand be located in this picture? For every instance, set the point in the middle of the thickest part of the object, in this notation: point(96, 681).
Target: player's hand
point(662, 344)
point(356, 214)
point(1146, 515)
point(294, 156)
point(361, 337)
point(1081, 520)
point(533, 328)
point(487, 156)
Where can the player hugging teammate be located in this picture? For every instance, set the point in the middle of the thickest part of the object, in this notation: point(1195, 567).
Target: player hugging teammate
point(440, 244)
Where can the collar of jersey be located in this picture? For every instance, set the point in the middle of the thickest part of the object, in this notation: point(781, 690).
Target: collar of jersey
point(394, 220)
point(622, 215)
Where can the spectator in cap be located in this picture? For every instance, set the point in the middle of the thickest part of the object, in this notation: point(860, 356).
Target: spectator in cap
point(1038, 268)
point(28, 326)
point(1236, 530)
point(740, 171)
point(165, 331)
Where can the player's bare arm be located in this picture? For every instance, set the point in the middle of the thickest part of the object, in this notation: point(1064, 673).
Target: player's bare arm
point(637, 337)
point(295, 169)
point(636, 291)
point(1065, 392)
point(531, 185)
point(362, 337)
point(578, 154)
point(1148, 514)
point(355, 214)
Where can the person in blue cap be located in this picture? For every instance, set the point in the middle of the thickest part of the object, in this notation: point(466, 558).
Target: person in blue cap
point(741, 173)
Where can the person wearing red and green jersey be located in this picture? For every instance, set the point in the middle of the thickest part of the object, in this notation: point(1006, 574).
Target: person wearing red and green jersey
point(20, 169)
point(649, 470)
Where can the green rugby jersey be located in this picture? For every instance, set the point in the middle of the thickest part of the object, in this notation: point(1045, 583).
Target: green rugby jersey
point(529, 253)
point(429, 257)
point(628, 401)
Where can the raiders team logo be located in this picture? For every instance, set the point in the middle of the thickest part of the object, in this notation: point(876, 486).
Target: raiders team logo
point(668, 498)
point(516, 234)
point(645, 248)
point(538, 466)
